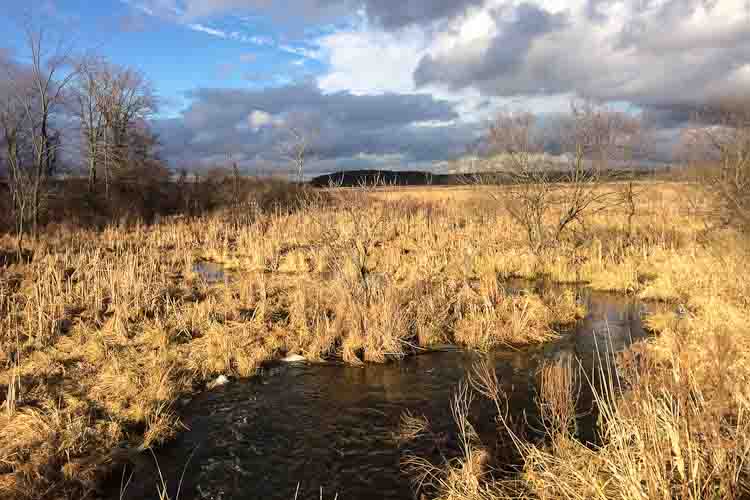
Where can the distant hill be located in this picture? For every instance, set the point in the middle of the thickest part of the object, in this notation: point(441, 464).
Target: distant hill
point(353, 178)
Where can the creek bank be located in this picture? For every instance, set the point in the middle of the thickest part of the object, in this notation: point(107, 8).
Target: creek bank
point(331, 425)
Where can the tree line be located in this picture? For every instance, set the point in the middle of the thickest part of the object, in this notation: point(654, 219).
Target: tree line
point(59, 107)
point(76, 145)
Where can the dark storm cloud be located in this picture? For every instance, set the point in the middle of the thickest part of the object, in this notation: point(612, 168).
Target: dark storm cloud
point(665, 57)
point(505, 54)
point(394, 14)
point(670, 115)
point(249, 124)
point(371, 111)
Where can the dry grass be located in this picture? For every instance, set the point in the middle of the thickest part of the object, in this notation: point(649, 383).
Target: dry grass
point(559, 389)
point(103, 333)
point(464, 477)
point(673, 417)
point(411, 427)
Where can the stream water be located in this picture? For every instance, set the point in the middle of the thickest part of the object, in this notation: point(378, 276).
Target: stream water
point(331, 426)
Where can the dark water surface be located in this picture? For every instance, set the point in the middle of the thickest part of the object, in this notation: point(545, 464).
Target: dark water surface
point(331, 426)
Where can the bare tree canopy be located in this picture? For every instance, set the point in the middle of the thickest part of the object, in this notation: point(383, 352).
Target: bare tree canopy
point(86, 105)
point(126, 100)
point(33, 95)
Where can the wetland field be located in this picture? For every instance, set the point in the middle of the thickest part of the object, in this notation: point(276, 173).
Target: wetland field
point(437, 354)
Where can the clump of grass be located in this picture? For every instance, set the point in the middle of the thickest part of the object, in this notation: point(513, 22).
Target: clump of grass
point(229, 349)
point(664, 434)
point(411, 427)
point(559, 390)
point(435, 311)
point(657, 444)
point(465, 477)
point(563, 306)
point(504, 319)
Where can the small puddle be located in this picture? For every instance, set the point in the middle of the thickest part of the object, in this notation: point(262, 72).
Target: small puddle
point(331, 426)
point(210, 272)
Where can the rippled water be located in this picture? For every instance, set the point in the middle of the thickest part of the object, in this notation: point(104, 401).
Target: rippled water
point(331, 426)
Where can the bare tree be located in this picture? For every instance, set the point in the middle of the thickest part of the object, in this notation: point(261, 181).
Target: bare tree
point(297, 146)
point(16, 154)
point(125, 99)
point(515, 140)
point(36, 91)
point(599, 143)
point(87, 107)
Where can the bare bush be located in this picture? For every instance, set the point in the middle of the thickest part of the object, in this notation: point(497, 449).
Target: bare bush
point(552, 196)
point(721, 136)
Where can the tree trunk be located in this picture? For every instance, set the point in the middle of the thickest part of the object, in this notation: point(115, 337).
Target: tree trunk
point(92, 171)
point(35, 211)
point(106, 164)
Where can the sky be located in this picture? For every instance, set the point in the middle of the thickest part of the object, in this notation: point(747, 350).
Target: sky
point(401, 83)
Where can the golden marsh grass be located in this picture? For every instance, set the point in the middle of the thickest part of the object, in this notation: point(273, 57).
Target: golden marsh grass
point(104, 333)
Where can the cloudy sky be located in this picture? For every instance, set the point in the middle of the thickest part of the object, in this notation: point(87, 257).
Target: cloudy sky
point(406, 82)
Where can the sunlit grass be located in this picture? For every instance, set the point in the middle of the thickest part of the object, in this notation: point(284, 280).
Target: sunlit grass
point(103, 333)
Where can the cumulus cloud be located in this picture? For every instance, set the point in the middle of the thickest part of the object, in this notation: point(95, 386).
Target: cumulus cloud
point(662, 54)
point(367, 61)
point(350, 129)
point(470, 58)
point(394, 14)
point(350, 53)
point(517, 31)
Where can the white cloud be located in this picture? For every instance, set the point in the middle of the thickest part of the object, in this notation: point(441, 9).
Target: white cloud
point(371, 61)
point(209, 31)
point(162, 8)
point(368, 60)
point(301, 51)
point(648, 53)
point(655, 55)
point(259, 119)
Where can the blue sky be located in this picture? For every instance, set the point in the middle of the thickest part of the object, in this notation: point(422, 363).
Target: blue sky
point(402, 83)
point(244, 51)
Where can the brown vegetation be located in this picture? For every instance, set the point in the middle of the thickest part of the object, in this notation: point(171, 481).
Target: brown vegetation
point(104, 332)
point(673, 417)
